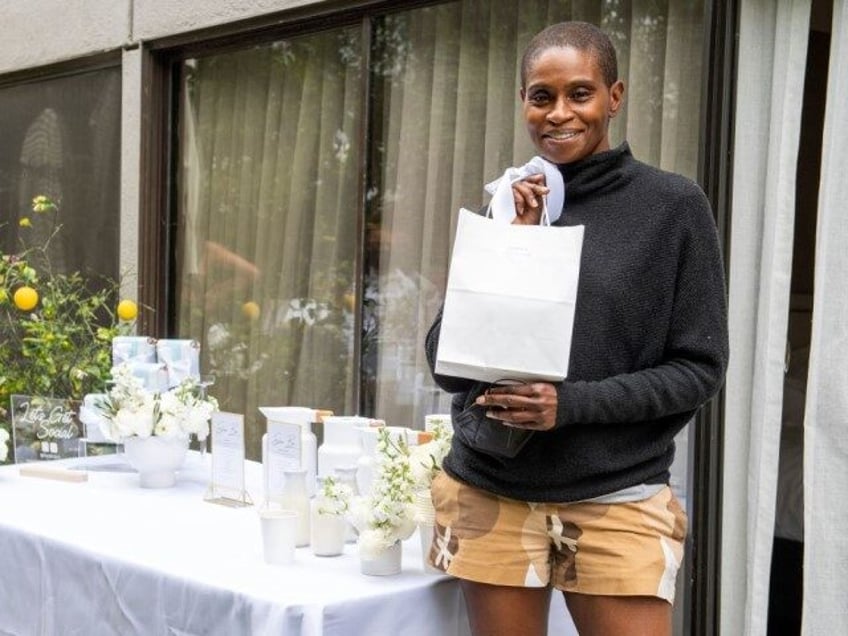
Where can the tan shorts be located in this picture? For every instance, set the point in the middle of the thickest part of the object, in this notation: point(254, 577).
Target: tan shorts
point(620, 549)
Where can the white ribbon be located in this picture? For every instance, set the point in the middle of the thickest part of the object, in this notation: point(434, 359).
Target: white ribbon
point(502, 205)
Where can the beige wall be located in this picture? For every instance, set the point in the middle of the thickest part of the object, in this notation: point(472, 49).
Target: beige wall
point(39, 32)
point(158, 18)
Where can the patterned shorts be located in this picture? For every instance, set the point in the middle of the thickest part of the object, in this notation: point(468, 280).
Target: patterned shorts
point(620, 549)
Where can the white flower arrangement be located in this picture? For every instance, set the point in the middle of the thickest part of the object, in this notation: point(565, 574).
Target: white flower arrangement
point(426, 459)
point(4, 445)
point(334, 498)
point(425, 463)
point(131, 410)
point(386, 516)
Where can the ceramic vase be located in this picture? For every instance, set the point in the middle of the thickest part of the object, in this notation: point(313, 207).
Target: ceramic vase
point(386, 563)
point(295, 497)
point(308, 441)
point(327, 532)
point(425, 514)
point(347, 475)
point(341, 442)
point(156, 458)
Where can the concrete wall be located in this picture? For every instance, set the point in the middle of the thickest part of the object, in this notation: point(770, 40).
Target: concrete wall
point(39, 32)
point(158, 18)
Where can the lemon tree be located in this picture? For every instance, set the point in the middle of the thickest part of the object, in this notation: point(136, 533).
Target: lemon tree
point(56, 327)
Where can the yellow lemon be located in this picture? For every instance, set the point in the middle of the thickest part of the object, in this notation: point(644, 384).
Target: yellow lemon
point(127, 310)
point(250, 309)
point(3, 296)
point(25, 298)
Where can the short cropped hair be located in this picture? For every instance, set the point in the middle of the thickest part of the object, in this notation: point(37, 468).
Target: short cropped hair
point(582, 36)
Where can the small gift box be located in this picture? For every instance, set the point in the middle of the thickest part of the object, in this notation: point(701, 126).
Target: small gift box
point(154, 375)
point(181, 359)
point(133, 349)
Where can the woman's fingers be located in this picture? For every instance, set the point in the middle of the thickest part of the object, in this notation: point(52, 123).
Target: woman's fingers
point(528, 193)
point(531, 406)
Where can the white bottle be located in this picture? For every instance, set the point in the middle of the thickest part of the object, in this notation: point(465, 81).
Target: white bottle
point(341, 445)
point(303, 417)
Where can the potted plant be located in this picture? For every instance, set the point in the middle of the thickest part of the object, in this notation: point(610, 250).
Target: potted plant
point(329, 517)
point(56, 327)
point(385, 517)
point(154, 426)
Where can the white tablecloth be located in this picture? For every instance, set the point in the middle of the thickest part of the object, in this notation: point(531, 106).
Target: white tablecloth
point(108, 557)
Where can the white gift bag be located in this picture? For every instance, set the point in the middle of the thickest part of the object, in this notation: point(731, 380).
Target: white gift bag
point(510, 301)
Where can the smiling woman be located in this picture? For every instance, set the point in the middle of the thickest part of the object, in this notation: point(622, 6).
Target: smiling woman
point(271, 160)
point(569, 121)
point(649, 347)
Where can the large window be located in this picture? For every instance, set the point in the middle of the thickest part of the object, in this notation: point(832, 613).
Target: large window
point(316, 221)
point(316, 218)
point(60, 137)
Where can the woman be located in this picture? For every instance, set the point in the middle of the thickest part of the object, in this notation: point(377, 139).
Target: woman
point(585, 506)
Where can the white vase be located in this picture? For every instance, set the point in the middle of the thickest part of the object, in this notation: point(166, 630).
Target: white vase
point(303, 417)
point(156, 458)
point(386, 563)
point(425, 513)
point(341, 445)
point(327, 532)
point(425, 535)
point(295, 497)
point(347, 475)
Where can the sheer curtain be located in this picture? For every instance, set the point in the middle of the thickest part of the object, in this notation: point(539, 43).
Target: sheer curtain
point(269, 185)
point(770, 82)
point(447, 80)
point(826, 437)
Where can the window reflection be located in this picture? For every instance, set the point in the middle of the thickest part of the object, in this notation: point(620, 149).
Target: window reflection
point(269, 185)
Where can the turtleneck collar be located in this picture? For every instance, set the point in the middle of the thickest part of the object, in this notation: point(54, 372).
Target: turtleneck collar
point(594, 173)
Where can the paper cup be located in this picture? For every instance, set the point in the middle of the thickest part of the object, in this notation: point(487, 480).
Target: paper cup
point(279, 531)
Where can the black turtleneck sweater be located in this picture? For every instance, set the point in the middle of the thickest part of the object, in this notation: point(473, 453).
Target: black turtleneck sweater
point(649, 345)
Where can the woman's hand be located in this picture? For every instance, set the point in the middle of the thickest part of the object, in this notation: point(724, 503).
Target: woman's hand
point(528, 199)
point(530, 406)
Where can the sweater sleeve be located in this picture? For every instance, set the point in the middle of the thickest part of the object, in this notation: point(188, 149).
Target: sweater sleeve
point(695, 355)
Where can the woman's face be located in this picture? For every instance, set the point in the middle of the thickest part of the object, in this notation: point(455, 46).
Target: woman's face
point(567, 105)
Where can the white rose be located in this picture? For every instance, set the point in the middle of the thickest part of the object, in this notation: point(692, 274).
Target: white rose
point(130, 422)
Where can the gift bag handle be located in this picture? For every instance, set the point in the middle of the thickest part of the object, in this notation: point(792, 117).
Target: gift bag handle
point(543, 220)
point(502, 205)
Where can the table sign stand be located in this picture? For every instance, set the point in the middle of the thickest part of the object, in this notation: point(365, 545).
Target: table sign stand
point(226, 486)
point(281, 452)
point(44, 428)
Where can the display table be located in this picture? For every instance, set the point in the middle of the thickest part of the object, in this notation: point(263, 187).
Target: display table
point(105, 556)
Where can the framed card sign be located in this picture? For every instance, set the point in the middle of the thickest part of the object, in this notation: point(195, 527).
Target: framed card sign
point(45, 428)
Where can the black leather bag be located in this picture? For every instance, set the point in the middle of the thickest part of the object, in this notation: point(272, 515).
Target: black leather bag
point(489, 436)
